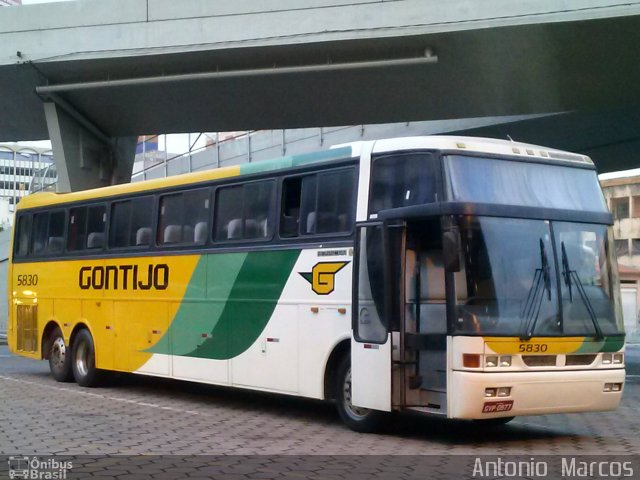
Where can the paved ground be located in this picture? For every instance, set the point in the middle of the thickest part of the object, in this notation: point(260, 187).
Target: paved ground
point(157, 417)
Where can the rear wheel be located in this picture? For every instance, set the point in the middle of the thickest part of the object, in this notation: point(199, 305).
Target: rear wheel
point(59, 357)
point(84, 360)
point(359, 419)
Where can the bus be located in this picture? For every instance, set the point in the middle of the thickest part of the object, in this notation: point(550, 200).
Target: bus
point(460, 277)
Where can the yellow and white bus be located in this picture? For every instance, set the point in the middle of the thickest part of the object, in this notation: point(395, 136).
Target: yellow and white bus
point(462, 277)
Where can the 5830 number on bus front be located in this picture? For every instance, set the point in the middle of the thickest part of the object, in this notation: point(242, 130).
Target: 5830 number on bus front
point(533, 347)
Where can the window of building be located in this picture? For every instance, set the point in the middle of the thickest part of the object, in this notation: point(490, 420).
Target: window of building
point(635, 212)
point(184, 218)
point(318, 204)
point(622, 247)
point(635, 246)
point(243, 211)
point(131, 223)
point(86, 228)
point(620, 207)
point(48, 233)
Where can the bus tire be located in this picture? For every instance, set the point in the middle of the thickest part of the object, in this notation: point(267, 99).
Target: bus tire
point(359, 419)
point(83, 360)
point(59, 357)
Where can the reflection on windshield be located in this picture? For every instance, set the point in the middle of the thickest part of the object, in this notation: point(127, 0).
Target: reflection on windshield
point(586, 287)
point(512, 282)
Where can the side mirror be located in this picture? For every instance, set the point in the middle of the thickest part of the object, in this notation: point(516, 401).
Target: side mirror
point(451, 249)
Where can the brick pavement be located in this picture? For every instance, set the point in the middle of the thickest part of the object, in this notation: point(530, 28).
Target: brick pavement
point(152, 416)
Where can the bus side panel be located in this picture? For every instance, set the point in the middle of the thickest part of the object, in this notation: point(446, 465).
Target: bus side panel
point(139, 326)
point(98, 314)
point(271, 362)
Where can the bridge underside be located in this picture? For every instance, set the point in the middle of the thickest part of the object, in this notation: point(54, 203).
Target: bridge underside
point(99, 105)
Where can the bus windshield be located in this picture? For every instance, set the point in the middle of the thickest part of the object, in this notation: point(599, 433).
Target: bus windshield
point(509, 182)
point(516, 270)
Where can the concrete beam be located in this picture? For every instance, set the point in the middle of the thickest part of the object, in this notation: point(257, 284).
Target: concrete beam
point(83, 158)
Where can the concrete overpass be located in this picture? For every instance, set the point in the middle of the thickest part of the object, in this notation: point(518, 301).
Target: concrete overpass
point(92, 75)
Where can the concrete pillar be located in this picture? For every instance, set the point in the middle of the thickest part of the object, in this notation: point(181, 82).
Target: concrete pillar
point(84, 157)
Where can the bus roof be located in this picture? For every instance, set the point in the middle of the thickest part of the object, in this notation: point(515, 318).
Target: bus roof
point(50, 198)
point(436, 142)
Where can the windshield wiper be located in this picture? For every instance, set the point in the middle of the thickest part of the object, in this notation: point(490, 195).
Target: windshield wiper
point(570, 277)
point(540, 285)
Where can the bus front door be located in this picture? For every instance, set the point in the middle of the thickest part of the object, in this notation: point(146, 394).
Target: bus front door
point(371, 362)
point(421, 362)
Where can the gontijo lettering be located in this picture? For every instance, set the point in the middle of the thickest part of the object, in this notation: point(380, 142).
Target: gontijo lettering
point(124, 277)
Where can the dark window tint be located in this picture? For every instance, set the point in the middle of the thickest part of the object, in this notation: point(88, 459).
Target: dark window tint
point(184, 218)
point(403, 180)
point(48, 233)
point(318, 204)
point(290, 211)
point(131, 223)
point(242, 211)
point(21, 247)
point(86, 228)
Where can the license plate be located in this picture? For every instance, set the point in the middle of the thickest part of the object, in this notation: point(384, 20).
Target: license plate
point(494, 407)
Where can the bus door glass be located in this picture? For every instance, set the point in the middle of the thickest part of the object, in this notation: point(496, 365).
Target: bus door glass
point(370, 348)
point(425, 319)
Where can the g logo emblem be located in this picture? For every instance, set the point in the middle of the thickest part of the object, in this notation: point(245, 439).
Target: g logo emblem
point(323, 276)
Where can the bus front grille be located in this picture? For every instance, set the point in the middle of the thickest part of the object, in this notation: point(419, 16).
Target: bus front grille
point(27, 319)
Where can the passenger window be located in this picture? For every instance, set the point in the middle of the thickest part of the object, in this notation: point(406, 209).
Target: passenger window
point(21, 247)
point(290, 212)
point(327, 203)
point(184, 218)
point(131, 223)
point(86, 228)
point(48, 233)
point(242, 211)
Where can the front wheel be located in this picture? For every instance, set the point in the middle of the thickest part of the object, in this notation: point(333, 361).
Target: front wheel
point(84, 360)
point(59, 357)
point(359, 419)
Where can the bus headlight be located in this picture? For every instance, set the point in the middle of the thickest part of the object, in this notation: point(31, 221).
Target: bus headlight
point(505, 361)
point(491, 361)
point(490, 392)
point(618, 358)
point(607, 358)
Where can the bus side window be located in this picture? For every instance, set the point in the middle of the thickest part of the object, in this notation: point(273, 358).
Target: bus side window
point(327, 202)
point(244, 211)
point(55, 240)
point(77, 232)
point(39, 235)
point(21, 248)
point(96, 225)
point(183, 216)
point(290, 210)
point(131, 223)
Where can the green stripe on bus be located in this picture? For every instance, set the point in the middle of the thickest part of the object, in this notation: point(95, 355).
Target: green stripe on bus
point(243, 290)
point(217, 274)
point(607, 344)
point(295, 160)
point(251, 303)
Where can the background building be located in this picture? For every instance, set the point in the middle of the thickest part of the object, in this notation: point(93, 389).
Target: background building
point(7, 3)
point(622, 192)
